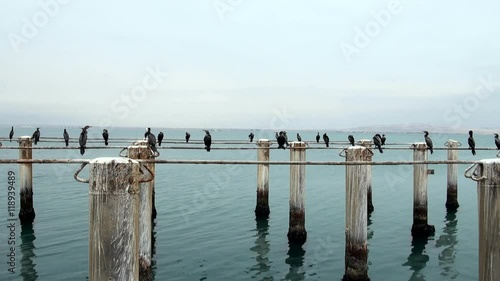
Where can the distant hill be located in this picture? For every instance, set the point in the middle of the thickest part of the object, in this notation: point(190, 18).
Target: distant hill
point(417, 128)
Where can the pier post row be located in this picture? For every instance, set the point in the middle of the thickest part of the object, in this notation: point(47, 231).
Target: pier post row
point(356, 220)
point(420, 227)
point(297, 234)
point(26, 212)
point(140, 150)
point(262, 206)
point(487, 175)
point(452, 178)
point(368, 144)
point(113, 219)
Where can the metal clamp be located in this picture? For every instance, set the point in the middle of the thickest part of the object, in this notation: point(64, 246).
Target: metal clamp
point(498, 154)
point(120, 153)
point(448, 142)
point(412, 146)
point(154, 153)
point(342, 151)
point(371, 152)
point(78, 171)
point(150, 173)
point(473, 174)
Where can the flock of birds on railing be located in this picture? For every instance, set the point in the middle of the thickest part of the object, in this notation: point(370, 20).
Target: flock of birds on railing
point(281, 138)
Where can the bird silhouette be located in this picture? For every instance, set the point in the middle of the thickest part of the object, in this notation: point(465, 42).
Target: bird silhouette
point(326, 139)
point(281, 140)
point(36, 135)
point(105, 136)
point(83, 139)
point(66, 137)
point(497, 141)
point(351, 139)
point(146, 134)
point(160, 138)
point(207, 140)
point(152, 143)
point(317, 138)
point(472, 143)
point(11, 134)
point(188, 135)
point(298, 137)
point(383, 139)
point(251, 136)
point(377, 141)
point(428, 142)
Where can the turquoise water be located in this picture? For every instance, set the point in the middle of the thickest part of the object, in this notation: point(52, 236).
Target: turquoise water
point(206, 229)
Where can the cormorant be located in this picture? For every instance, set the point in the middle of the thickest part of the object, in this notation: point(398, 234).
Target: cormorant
point(281, 140)
point(428, 141)
point(11, 134)
point(472, 143)
point(251, 136)
point(152, 143)
point(66, 137)
point(160, 138)
point(377, 141)
point(317, 138)
point(383, 139)
point(105, 136)
point(326, 139)
point(298, 137)
point(497, 141)
point(146, 134)
point(188, 135)
point(36, 135)
point(351, 139)
point(285, 136)
point(207, 140)
point(83, 139)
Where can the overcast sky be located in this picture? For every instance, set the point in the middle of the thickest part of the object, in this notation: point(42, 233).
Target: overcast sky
point(247, 63)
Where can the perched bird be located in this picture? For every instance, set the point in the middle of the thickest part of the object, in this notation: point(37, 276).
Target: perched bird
point(188, 135)
point(383, 139)
point(428, 141)
point(472, 143)
point(281, 140)
point(377, 141)
point(298, 137)
point(351, 139)
point(66, 137)
point(160, 138)
point(146, 134)
point(36, 135)
point(152, 143)
point(326, 139)
point(105, 136)
point(251, 136)
point(207, 140)
point(317, 138)
point(83, 139)
point(497, 141)
point(285, 136)
point(11, 134)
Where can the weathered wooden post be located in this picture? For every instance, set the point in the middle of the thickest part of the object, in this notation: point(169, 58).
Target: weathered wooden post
point(452, 189)
point(368, 144)
point(297, 234)
point(26, 212)
point(357, 183)
point(262, 206)
point(113, 219)
point(140, 150)
point(487, 175)
point(420, 228)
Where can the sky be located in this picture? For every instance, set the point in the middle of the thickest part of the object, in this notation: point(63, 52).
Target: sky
point(319, 64)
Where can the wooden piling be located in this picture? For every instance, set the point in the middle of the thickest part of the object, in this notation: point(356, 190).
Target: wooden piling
point(114, 219)
point(452, 188)
point(420, 228)
point(297, 234)
point(368, 144)
point(26, 212)
point(487, 175)
point(262, 206)
point(141, 151)
point(357, 183)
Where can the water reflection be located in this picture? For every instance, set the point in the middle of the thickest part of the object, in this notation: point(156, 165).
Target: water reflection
point(448, 240)
point(370, 231)
point(28, 271)
point(417, 259)
point(295, 260)
point(261, 249)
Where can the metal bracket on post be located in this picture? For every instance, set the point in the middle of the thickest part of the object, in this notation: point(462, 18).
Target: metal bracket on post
point(121, 152)
point(78, 171)
point(342, 153)
point(473, 174)
point(150, 173)
point(498, 154)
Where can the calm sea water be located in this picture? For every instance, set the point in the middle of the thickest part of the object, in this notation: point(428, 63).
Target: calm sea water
point(206, 229)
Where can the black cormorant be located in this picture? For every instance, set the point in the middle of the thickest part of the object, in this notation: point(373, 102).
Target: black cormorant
point(326, 139)
point(36, 135)
point(160, 138)
point(298, 137)
point(105, 136)
point(152, 143)
point(317, 138)
point(351, 139)
point(497, 141)
point(377, 141)
point(188, 135)
point(428, 141)
point(281, 140)
point(66, 137)
point(11, 134)
point(472, 143)
point(146, 134)
point(207, 140)
point(383, 139)
point(251, 136)
point(83, 139)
